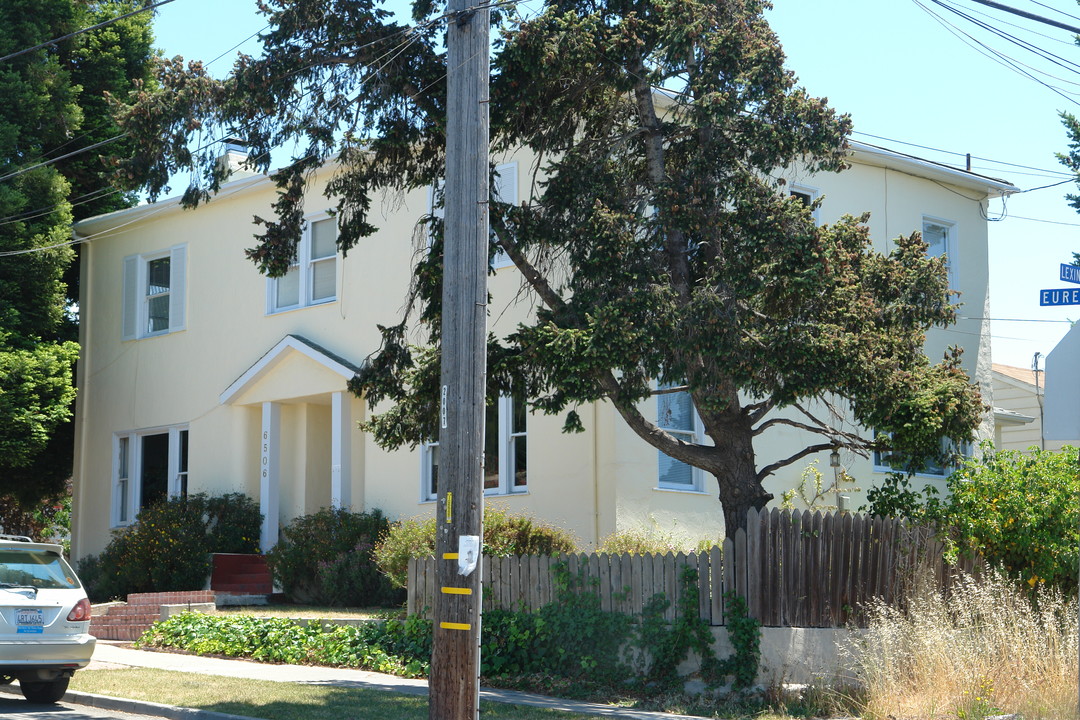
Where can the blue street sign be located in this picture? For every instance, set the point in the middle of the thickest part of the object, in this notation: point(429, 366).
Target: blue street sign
point(1070, 273)
point(1066, 296)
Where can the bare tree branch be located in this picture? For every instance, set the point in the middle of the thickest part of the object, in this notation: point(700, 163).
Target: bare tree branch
point(770, 469)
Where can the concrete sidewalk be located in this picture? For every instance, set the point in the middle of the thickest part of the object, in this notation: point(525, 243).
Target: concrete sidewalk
point(112, 655)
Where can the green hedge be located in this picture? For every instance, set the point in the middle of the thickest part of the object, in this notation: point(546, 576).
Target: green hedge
point(168, 547)
point(505, 535)
point(326, 559)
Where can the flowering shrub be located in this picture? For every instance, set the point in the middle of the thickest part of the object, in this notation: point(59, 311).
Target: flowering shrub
point(168, 547)
point(326, 558)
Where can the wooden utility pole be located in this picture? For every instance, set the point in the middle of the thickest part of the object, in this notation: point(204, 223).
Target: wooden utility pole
point(455, 662)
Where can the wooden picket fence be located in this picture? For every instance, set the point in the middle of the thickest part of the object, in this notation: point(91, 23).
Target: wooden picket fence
point(794, 569)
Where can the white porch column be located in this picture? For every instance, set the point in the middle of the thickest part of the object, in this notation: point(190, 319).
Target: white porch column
point(270, 474)
point(340, 450)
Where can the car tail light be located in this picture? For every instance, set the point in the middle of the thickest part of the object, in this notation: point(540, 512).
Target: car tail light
point(81, 611)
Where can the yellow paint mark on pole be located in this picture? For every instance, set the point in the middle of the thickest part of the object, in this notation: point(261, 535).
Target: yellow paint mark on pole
point(449, 507)
point(457, 591)
point(455, 626)
point(449, 556)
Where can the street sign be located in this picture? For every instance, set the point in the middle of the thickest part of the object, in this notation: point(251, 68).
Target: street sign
point(1070, 273)
point(1066, 296)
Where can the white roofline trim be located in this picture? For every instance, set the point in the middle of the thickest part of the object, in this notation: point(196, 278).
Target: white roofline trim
point(274, 357)
point(929, 169)
point(1011, 417)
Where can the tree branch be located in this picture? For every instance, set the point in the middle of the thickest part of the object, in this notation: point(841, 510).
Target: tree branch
point(770, 469)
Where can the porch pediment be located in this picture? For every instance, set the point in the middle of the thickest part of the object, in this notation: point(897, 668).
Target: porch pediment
point(294, 369)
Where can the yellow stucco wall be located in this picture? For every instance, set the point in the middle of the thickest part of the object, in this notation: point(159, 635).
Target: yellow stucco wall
point(591, 483)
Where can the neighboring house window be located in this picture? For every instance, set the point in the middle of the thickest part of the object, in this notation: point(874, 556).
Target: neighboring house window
point(149, 465)
point(153, 293)
point(807, 196)
point(505, 190)
point(940, 238)
point(505, 452)
point(312, 278)
point(675, 414)
point(930, 468)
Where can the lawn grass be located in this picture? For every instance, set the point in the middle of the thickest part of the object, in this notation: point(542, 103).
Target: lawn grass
point(277, 700)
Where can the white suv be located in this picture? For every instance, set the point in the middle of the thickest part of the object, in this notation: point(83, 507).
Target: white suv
point(44, 619)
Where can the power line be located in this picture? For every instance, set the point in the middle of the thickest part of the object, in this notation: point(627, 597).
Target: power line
point(84, 30)
point(43, 163)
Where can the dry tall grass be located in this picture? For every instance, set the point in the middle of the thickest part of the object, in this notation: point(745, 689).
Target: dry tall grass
point(985, 650)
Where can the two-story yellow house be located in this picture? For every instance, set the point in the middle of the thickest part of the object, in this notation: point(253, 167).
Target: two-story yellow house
point(200, 374)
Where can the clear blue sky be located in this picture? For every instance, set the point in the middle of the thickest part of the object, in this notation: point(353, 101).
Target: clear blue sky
point(901, 75)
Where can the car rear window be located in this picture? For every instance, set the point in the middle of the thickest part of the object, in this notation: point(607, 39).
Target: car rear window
point(35, 568)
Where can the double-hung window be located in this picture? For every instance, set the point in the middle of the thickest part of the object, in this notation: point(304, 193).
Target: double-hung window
point(941, 467)
point(940, 238)
point(153, 293)
point(807, 196)
point(675, 414)
point(312, 278)
point(148, 466)
point(505, 452)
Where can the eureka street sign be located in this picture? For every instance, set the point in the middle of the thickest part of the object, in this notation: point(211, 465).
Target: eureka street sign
point(1068, 296)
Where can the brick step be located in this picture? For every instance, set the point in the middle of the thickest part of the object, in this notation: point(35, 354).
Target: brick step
point(171, 598)
point(141, 619)
point(128, 632)
point(125, 610)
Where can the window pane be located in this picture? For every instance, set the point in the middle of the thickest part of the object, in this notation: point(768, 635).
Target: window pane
point(936, 238)
point(158, 313)
point(157, 276)
point(323, 239)
point(520, 464)
point(491, 447)
point(287, 289)
point(323, 279)
point(675, 411)
point(433, 468)
point(155, 468)
point(675, 473)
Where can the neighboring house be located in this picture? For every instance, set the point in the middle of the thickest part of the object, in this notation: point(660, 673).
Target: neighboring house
point(1018, 408)
point(199, 374)
point(1063, 390)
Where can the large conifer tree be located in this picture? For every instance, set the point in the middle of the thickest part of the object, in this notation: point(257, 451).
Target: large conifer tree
point(657, 244)
point(54, 105)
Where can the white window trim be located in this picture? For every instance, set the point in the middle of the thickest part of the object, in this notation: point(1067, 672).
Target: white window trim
point(505, 190)
point(135, 316)
point(814, 194)
point(952, 251)
point(507, 458)
point(427, 494)
point(123, 516)
point(697, 436)
point(306, 268)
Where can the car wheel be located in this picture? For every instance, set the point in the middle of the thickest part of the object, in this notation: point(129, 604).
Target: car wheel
point(44, 692)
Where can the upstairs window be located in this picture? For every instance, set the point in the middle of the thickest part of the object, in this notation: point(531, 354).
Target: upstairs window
point(153, 293)
point(312, 278)
point(505, 190)
point(940, 238)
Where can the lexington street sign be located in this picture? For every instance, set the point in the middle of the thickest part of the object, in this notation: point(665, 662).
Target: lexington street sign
point(1066, 296)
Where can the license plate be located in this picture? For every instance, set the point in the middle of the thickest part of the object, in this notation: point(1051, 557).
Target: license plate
point(29, 620)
